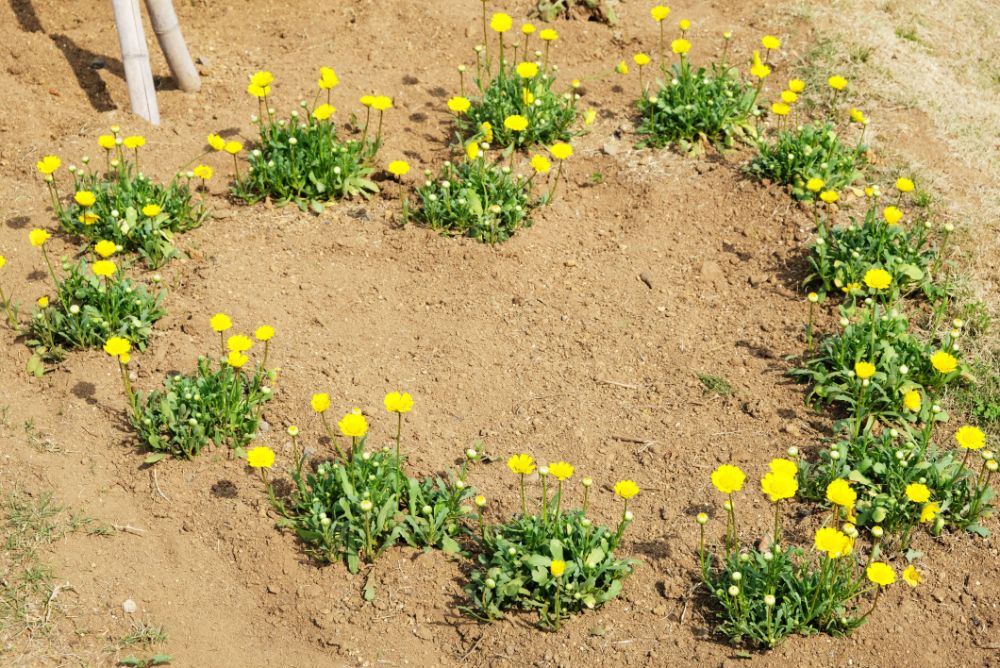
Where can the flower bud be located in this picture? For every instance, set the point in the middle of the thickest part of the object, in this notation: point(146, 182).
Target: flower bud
point(735, 576)
point(793, 451)
point(426, 510)
point(587, 482)
point(877, 531)
point(702, 518)
point(491, 583)
point(733, 590)
point(769, 601)
point(629, 516)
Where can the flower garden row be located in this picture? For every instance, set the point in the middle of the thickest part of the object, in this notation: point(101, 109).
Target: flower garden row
point(882, 477)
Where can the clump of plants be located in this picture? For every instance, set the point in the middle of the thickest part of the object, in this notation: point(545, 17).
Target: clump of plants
point(594, 10)
point(93, 302)
point(303, 160)
point(762, 595)
point(693, 106)
point(552, 560)
point(123, 205)
point(219, 403)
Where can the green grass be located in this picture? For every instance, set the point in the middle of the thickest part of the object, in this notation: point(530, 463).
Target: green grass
point(715, 385)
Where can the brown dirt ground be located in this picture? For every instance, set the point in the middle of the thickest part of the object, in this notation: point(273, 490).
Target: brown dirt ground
point(549, 344)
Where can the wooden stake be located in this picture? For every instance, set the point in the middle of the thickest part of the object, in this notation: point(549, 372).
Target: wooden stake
point(168, 34)
point(135, 58)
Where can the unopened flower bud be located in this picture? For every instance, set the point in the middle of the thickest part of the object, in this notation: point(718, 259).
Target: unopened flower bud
point(769, 601)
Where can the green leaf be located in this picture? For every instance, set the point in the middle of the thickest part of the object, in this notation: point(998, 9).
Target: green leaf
point(35, 366)
point(317, 207)
point(154, 457)
point(595, 557)
point(449, 546)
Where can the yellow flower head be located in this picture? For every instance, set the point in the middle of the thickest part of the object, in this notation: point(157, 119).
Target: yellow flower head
point(398, 403)
point(684, 25)
point(904, 185)
point(261, 78)
point(881, 573)
point(858, 117)
point(621, 67)
point(527, 96)
point(220, 322)
point(796, 85)
point(327, 78)
point(815, 185)
point(134, 142)
point(85, 198)
point(258, 91)
point(323, 112)
point(918, 493)
point(516, 123)
point(561, 151)
point(107, 142)
point(770, 42)
point(837, 82)
point(780, 109)
point(626, 489)
point(353, 424)
point(540, 164)
point(367, 100)
point(841, 493)
point(239, 343)
point(759, 69)
point(728, 479)
point(912, 401)
point(521, 464)
point(42, 302)
point(911, 576)
point(202, 172)
point(782, 466)
point(398, 167)
point(864, 370)
point(659, 13)
point(216, 142)
point(487, 131)
point(88, 218)
point(561, 471)
point(472, 150)
point(779, 486)
point(105, 268)
point(236, 359)
point(459, 104)
point(3, 261)
point(877, 279)
point(264, 333)
point(680, 46)
point(943, 362)
point(260, 457)
point(589, 117)
point(48, 164)
point(834, 542)
point(38, 237)
point(549, 35)
point(116, 346)
point(641, 59)
point(382, 103)
point(789, 97)
point(232, 147)
point(892, 215)
point(527, 70)
point(970, 438)
point(320, 402)
point(557, 568)
point(929, 512)
point(528, 29)
point(501, 22)
point(829, 196)
point(151, 210)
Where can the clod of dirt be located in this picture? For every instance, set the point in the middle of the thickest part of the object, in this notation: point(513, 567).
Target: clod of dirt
point(647, 279)
point(130, 607)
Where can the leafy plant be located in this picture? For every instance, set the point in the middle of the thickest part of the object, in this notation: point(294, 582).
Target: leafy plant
point(809, 151)
point(597, 10)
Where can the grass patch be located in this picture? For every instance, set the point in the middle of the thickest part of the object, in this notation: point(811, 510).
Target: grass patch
point(715, 385)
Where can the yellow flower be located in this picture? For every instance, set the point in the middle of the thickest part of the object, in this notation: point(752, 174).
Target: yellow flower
point(892, 215)
point(779, 486)
point(259, 91)
point(561, 151)
point(480, 501)
point(220, 322)
point(864, 370)
point(85, 198)
point(684, 25)
point(527, 96)
point(557, 568)
point(943, 362)
point(527, 70)
point(918, 493)
point(904, 185)
point(398, 403)
point(3, 261)
point(837, 82)
point(88, 218)
point(782, 466)
point(261, 78)
point(815, 185)
point(134, 142)
point(260, 457)
point(501, 22)
point(151, 210)
point(528, 29)
point(124, 358)
point(621, 67)
point(561, 471)
point(320, 402)
point(459, 104)
point(516, 122)
point(759, 69)
point(858, 117)
point(789, 97)
point(472, 150)
point(105, 268)
point(327, 78)
point(881, 573)
point(239, 343)
point(398, 167)
point(521, 464)
point(680, 46)
point(929, 512)
point(236, 359)
point(626, 489)
point(834, 542)
point(780, 109)
point(116, 346)
point(232, 147)
point(549, 35)
point(216, 142)
point(911, 576)
point(970, 438)
point(659, 13)
point(353, 424)
point(42, 302)
point(264, 333)
point(589, 117)
point(829, 196)
point(770, 42)
point(839, 492)
point(367, 100)
point(203, 172)
point(382, 103)
point(48, 164)
point(728, 479)
point(487, 131)
point(912, 400)
point(540, 164)
point(796, 85)
point(851, 288)
point(38, 237)
point(107, 142)
point(641, 59)
point(323, 112)
point(877, 279)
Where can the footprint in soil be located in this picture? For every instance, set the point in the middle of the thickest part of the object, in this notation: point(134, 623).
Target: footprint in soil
point(224, 489)
point(18, 222)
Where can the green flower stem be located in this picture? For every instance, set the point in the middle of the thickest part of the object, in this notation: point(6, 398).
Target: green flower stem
point(524, 502)
point(555, 183)
point(545, 501)
point(368, 536)
point(399, 464)
point(333, 439)
point(586, 495)
point(809, 329)
point(871, 609)
point(486, 37)
point(777, 522)
point(701, 551)
point(559, 499)
point(558, 601)
point(378, 135)
point(10, 313)
point(52, 272)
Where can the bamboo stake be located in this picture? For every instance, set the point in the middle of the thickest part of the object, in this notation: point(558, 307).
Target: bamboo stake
point(135, 58)
point(168, 34)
